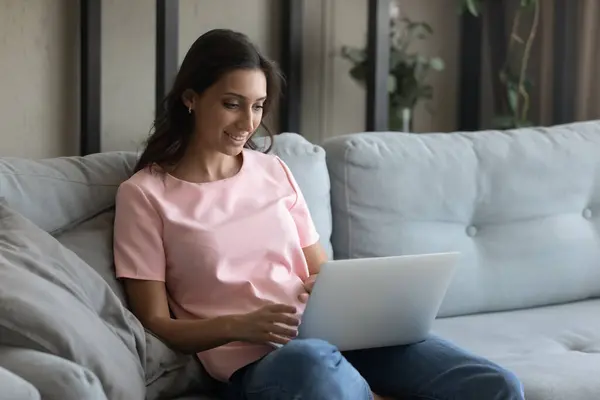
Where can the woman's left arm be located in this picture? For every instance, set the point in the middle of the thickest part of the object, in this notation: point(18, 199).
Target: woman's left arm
point(315, 257)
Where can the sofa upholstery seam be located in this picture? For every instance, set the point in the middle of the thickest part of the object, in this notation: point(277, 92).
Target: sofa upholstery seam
point(41, 342)
point(59, 179)
point(57, 232)
point(347, 197)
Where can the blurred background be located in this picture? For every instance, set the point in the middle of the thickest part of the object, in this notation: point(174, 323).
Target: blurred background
point(454, 65)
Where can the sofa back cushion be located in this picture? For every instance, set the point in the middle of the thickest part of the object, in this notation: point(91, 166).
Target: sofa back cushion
point(59, 193)
point(522, 207)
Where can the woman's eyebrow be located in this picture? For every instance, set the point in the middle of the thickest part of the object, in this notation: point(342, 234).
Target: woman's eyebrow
point(243, 97)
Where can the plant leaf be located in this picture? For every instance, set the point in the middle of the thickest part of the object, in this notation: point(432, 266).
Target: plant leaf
point(391, 83)
point(353, 54)
point(427, 27)
point(527, 3)
point(513, 97)
point(437, 64)
point(472, 6)
point(359, 72)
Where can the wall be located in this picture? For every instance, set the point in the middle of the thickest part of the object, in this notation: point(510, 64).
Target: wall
point(38, 78)
point(39, 66)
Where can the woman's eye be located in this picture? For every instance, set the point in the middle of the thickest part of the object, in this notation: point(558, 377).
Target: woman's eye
point(258, 107)
point(230, 105)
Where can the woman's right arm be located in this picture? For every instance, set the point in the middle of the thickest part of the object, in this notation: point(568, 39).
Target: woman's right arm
point(148, 301)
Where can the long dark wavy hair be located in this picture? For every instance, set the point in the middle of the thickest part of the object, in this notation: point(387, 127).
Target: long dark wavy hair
point(212, 55)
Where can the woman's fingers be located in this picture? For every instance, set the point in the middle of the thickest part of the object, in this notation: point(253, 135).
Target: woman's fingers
point(285, 319)
point(284, 331)
point(303, 297)
point(278, 339)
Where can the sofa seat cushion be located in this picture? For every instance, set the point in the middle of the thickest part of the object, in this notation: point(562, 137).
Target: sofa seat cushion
point(554, 350)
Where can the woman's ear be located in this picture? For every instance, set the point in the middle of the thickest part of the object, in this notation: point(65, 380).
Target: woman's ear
point(188, 99)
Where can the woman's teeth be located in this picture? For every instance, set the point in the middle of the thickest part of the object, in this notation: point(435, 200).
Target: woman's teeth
point(235, 137)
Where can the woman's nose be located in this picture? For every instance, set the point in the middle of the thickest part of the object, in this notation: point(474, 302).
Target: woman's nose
point(245, 122)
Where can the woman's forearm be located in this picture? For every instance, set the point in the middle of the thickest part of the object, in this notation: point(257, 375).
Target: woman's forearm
point(192, 336)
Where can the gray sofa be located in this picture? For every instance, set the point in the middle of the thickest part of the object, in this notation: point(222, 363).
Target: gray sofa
point(522, 206)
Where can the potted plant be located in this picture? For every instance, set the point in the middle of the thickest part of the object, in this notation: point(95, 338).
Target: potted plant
point(512, 110)
point(407, 81)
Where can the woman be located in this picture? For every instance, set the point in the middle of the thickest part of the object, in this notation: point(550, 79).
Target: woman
point(219, 234)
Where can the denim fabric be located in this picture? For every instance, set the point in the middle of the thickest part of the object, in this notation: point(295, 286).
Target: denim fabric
point(433, 369)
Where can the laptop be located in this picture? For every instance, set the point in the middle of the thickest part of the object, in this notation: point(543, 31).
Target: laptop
point(376, 302)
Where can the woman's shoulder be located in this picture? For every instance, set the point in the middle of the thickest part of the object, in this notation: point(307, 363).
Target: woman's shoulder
point(148, 182)
point(259, 156)
point(269, 160)
point(266, 163)
point(274, 169)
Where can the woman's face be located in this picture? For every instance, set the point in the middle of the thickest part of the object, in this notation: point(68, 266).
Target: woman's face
point(230, 111)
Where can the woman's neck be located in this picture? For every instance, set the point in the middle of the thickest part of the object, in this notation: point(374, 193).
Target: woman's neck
point(205, 166)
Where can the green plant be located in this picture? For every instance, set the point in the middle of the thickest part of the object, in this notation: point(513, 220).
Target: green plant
point(516, 84)
point(408, 71)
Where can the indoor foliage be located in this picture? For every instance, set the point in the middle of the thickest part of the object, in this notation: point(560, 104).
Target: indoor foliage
point(409, 70)
point(513, 111)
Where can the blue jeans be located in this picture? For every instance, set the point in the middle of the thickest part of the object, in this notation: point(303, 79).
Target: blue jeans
point(434, 369)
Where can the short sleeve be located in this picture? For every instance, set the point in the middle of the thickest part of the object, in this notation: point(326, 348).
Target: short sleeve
point(300, 213)
point(137, 243)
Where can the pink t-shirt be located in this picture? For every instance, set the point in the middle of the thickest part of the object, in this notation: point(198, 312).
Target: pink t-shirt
point(223, 247)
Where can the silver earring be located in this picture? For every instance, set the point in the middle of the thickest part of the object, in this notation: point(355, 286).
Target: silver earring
point(190, 110)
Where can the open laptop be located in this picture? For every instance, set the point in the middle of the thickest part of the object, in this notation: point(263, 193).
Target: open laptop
point(375, 302)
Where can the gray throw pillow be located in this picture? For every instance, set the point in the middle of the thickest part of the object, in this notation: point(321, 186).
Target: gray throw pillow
point(13, 387)
point(52, 301)
point(55, 378)
point(168, 373)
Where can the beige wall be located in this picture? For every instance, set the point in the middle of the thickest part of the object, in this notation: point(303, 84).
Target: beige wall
point(38, 78)
point(39, 66)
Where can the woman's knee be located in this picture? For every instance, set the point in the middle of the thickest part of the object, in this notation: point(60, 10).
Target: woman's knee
point(476, 377)
point(315, 369)
point(309, 355)
point(501, 383)
point(511, 384)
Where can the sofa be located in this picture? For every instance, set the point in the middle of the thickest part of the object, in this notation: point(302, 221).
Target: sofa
point(521, 206)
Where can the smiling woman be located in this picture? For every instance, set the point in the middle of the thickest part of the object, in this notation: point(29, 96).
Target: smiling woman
point(222, 228)
point(224, 89)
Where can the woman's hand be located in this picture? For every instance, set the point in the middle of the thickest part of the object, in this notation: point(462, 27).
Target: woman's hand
point(266, 325)
point(308, 286)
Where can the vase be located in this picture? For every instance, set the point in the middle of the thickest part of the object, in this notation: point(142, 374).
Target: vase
point(406, 119)
point(401, 119)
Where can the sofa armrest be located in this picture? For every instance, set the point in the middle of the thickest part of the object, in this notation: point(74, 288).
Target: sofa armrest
point(15, 387)
point(52, 376)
